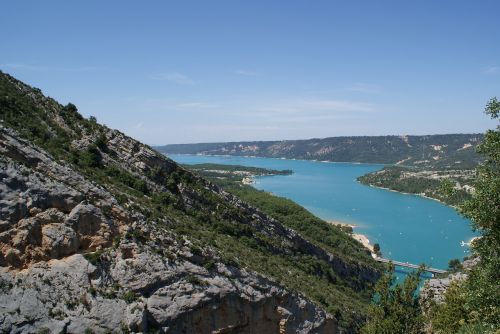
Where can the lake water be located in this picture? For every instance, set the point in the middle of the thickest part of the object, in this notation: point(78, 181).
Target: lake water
point(407, 227)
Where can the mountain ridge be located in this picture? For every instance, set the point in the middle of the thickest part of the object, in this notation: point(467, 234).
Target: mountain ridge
point(442, 151)
point(161, 247)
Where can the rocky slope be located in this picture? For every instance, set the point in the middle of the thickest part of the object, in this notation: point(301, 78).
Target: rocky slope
point(434, 289)
point(100, 233)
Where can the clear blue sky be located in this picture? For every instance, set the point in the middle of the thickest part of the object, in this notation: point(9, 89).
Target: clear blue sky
point(195, 71)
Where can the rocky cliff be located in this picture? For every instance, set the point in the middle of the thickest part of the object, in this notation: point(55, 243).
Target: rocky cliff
point(100, 233)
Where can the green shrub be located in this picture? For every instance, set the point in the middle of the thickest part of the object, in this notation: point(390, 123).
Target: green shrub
point(101, 142)
point(94, 257)
point(92, 291)
point(395, 308)
point(138, 235)
point(209, 264)
point(449, 316)
point(476, 329)
point(195, 280)
point(129, 297)
point(89, 158)
point(120, 176)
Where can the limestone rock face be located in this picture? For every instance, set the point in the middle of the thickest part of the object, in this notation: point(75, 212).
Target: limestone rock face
point(44, 207)
point(132, 153)
point(436, 287)
point(50, 215)
point(72, 295)
point(114, 245)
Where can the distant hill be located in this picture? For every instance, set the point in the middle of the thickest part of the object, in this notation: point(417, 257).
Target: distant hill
point(430, 151)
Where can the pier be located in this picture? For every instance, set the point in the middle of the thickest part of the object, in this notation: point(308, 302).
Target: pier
point(410, 265)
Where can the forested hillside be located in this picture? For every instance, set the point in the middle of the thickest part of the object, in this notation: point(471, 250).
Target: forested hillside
point(433, 151)
point(450, 186)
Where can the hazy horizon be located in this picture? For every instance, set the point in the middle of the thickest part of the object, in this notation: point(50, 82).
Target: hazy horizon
point(320, 138)
point(227, 71)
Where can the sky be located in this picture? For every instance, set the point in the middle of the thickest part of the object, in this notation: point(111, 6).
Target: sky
point(202, 71)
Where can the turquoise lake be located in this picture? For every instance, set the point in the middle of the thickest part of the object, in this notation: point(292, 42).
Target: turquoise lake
point(408, 228)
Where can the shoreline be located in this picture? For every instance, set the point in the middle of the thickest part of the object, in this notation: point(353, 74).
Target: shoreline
point(291, 159)
point(336, 222)
point(326, 161)
point(331, 162)
point(411, 194)
point(361, 238)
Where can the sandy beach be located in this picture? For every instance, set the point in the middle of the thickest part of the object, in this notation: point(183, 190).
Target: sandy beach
point(363, 239)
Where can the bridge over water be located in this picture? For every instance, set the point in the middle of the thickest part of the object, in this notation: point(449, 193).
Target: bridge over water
point(410, 265)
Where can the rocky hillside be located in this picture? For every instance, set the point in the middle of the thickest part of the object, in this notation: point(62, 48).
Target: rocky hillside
point(100, 233)
point(433, 151)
